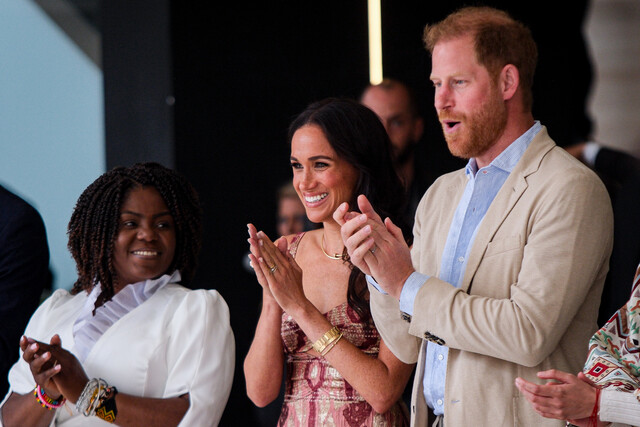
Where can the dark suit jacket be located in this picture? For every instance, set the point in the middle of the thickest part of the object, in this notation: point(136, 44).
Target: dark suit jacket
point(24, 273)
point(621, 174)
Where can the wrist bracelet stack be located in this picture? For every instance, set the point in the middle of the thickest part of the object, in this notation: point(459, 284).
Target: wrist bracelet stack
point(107, 410)
point(326, 342)
point(99, 399)
point(47, 402)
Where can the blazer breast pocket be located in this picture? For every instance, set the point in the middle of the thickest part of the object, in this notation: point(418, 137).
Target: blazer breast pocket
point(503, 245)
point(499, 268)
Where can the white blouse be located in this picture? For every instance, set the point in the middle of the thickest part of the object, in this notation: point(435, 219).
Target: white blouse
point(174, 342)
point(619, 407)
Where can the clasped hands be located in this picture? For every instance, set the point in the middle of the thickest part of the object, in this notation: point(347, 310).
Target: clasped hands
point(276, 270)
point(375, 246)
point(54, 369)
point(564, 396)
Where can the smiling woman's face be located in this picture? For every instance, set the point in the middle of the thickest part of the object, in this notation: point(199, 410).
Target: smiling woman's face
point(322, 179)
point(146, 239)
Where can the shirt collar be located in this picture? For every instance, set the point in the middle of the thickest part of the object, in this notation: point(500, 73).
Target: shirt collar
point(510, 156)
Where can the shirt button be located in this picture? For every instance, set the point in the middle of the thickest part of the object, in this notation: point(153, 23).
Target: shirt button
point(461, 259)
point(439, 402)
point(440, 357)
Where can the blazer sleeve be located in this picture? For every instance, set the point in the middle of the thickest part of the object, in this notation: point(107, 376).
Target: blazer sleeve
point(525, 294)
point(393, 330)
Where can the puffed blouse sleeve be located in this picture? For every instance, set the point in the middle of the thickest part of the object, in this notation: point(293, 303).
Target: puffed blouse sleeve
point(47, 320)
point(201, 357)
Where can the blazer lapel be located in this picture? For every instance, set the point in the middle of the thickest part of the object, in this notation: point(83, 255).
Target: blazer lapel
point(511, 191)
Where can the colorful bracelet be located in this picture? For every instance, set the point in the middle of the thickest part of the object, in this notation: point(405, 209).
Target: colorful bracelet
point(107, 410)
point(331, 337)
point(46, 401)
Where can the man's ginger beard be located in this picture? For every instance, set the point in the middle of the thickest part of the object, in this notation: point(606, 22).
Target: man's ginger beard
point(481, 129)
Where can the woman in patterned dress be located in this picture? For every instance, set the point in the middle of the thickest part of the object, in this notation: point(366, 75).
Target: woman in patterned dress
point(608, 388)
point(339, 149)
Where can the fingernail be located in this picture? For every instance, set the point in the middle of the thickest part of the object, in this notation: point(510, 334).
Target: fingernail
point(33, 346)
point(362, 217)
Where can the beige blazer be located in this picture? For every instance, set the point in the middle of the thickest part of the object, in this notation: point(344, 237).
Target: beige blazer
point(530, 293)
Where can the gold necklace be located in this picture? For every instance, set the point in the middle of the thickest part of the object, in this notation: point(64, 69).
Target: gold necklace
point(336, 256)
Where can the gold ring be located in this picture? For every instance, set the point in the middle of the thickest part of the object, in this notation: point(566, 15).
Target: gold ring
point(273, 269)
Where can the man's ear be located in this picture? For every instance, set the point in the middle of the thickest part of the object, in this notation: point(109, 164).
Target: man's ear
point(509, 81)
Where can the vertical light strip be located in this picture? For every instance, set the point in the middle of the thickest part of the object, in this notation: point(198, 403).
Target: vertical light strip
point(375, 42)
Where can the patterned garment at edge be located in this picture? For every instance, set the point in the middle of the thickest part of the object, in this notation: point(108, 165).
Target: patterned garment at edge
point(614, 351)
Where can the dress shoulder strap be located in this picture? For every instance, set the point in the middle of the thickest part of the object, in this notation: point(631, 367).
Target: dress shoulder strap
point(293, 246)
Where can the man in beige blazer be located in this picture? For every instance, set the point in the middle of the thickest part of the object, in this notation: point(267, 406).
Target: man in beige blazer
point(509, 255)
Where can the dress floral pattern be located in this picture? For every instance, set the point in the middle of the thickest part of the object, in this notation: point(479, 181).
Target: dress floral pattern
point(316, 394)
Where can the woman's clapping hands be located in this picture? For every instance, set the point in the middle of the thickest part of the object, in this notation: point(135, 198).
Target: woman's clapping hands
point(276, 270)
point(54, 369)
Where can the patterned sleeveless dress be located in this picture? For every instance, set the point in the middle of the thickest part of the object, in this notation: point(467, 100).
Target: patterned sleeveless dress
point(315, 392)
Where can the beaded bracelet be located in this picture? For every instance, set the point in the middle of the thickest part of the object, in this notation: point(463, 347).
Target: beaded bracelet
point(46, 401)
point(331, 337)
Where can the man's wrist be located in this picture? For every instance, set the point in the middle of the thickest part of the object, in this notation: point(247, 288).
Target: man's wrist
point(410, 289)
point(397, 288)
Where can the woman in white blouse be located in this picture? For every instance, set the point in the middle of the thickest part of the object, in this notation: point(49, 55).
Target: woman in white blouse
point(129, 344)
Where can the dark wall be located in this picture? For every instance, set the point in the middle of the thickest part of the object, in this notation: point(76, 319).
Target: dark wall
point(137, 73)
point(239, 72)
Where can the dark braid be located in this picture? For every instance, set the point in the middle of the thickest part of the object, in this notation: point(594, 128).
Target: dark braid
point(94, 223)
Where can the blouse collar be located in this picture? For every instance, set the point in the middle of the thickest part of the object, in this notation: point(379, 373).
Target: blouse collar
point(88, 328)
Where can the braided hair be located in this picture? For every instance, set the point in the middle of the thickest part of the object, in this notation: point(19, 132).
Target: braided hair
point(95, 221)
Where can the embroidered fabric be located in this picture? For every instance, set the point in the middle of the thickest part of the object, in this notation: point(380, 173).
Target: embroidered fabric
point(87, 328)
point(316, 394)
point(614, 350)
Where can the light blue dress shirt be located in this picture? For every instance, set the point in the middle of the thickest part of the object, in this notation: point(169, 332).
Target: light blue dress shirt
point(482, 186)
